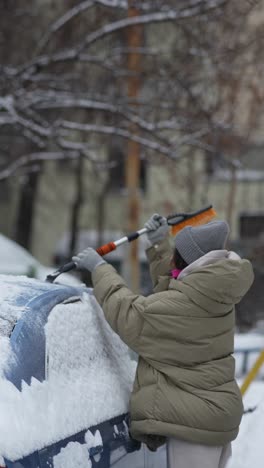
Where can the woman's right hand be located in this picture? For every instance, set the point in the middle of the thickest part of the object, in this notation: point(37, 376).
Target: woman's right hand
point(157, 227)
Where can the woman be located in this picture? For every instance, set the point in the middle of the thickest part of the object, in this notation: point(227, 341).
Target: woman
point(185, 391)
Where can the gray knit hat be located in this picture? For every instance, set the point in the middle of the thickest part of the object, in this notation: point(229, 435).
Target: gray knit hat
point(194, 242)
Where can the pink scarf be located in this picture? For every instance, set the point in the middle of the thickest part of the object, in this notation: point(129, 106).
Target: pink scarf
point(175, 273)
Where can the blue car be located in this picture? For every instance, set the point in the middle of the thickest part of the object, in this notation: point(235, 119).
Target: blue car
point(67, 378)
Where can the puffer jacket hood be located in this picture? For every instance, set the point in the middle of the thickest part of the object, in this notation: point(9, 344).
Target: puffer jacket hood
point(219, 276)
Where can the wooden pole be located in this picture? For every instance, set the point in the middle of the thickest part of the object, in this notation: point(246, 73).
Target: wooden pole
point(134, 42)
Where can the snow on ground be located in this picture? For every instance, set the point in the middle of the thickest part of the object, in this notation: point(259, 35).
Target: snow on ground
point(247, 348)
point(90, 376)
point(248, 447)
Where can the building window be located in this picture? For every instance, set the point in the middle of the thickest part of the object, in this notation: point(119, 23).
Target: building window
point(117, 176)
point(251, 225)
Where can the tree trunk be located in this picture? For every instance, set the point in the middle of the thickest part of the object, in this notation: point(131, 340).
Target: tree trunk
point(74, 228)
point(25, 210)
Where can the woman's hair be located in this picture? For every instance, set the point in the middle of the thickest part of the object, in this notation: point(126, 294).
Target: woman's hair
point(178, 260)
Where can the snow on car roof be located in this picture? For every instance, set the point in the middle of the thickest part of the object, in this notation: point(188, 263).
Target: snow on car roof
point(10, 311)
point(90, 377)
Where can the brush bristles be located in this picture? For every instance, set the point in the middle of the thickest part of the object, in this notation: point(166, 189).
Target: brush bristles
point(196, 220)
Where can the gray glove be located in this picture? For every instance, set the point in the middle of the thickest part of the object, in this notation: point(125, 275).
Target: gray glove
point(157, 227)
point(88, 259)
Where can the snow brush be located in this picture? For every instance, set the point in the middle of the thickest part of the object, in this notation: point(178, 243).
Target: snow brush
point(177, 221)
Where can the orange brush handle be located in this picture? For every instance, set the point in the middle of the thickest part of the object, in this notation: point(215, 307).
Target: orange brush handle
point(105, 249)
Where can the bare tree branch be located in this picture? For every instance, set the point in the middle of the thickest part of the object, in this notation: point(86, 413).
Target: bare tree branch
point(72, 13)
point(22, 161)
point(126, 134)
point(199, 7)
point(196, 8)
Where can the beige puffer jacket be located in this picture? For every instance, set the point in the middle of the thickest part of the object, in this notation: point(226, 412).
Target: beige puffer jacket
point(184, 334)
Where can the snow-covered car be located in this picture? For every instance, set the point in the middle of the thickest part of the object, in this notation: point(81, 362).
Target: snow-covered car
point(15, 260)
point(65, 382)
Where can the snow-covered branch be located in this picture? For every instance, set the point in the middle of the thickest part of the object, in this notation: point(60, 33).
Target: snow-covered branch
point(7, 104)
point(169, 147)
point(199, 7)
point(126, 134)
point(65, 100)
point(87, 4)
point(24, 160)
point(195, 8)
point(26, 164)
point(58, 24)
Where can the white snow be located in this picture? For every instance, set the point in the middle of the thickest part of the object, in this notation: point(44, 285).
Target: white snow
point(247, 346)
point(93, 440)
point(241, 175)
point(9, 312)
point(90, 377)
point(248, 341)
point(248, 447)
point(5, 353)
point(15, 260)
point(73, 455)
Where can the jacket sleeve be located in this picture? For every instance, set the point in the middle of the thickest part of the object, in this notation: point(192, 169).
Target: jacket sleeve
point(123, 310)
point(159, 257)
